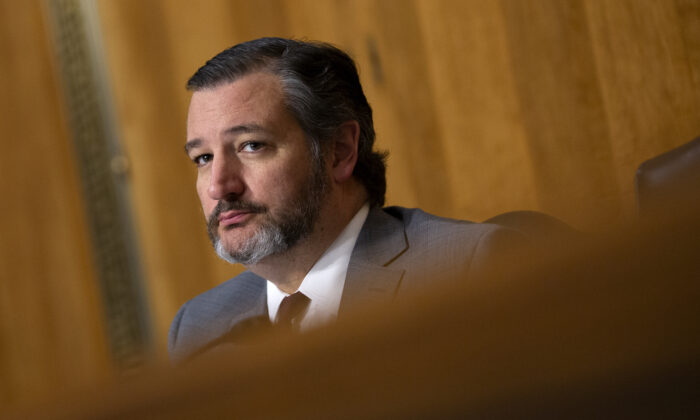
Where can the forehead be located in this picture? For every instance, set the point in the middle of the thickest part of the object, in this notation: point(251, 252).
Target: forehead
point(255, 98)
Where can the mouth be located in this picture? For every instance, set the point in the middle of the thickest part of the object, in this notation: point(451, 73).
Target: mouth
point(234, 217)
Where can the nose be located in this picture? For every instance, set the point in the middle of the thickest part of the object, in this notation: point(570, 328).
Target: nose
point(225, 180)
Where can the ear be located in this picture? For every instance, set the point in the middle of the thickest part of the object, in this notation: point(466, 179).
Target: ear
point(345, 147)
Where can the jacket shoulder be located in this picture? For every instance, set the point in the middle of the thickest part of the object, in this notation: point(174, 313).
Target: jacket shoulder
point(213, 313)
point(451, 248)
point(421, 225)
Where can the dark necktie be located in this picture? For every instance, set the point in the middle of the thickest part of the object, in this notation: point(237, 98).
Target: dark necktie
point(291, 310)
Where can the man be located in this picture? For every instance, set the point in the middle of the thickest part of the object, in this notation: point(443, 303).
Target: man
point(282, 137)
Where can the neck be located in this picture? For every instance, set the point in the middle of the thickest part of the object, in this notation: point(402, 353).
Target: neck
point(288, 270)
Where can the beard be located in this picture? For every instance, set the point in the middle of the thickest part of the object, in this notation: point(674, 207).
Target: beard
point(276, 233)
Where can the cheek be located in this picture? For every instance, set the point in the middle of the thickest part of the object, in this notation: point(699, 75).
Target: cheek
point(284, 182)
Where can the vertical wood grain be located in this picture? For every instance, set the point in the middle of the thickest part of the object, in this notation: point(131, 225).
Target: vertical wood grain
point(646, 82)
point(562, 110)
point(688, 14)
point(471, 77)
point(51, 325)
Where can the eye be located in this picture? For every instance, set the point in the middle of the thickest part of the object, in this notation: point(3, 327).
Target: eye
point(201, 160)
point(251, 146)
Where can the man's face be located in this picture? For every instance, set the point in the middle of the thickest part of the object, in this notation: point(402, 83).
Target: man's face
point(259, 187)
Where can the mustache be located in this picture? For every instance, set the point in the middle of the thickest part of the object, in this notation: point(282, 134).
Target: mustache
point(228, 205)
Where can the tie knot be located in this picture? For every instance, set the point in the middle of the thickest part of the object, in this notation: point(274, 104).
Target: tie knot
point(292, 309)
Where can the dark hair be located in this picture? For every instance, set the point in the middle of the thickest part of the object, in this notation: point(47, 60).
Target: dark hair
point(322, 91)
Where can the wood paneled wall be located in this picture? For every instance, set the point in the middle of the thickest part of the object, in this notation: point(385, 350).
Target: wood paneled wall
point(485, 107)
point(51, 323)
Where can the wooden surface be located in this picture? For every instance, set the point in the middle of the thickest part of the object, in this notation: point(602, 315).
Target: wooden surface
point(485, 107)
point(51, 325)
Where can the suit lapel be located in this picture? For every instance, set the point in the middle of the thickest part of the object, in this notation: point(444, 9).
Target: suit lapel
point(370, 277)
point(247, 314)
point(251, 298)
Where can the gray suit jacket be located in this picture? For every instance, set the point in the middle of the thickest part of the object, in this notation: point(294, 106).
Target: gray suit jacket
point(398, 250)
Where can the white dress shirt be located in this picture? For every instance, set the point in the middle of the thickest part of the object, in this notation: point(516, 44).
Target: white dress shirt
point(324, 283)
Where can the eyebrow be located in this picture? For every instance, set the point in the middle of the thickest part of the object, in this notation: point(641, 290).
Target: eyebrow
point(192, 144)
point(237, 129)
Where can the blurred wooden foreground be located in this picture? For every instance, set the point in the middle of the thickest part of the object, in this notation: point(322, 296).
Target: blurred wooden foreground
point(606, 328)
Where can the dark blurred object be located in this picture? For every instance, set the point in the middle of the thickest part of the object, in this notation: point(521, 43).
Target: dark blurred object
point(609, 330)
point(669, 184)
point(246, 332)
point(540, 228)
